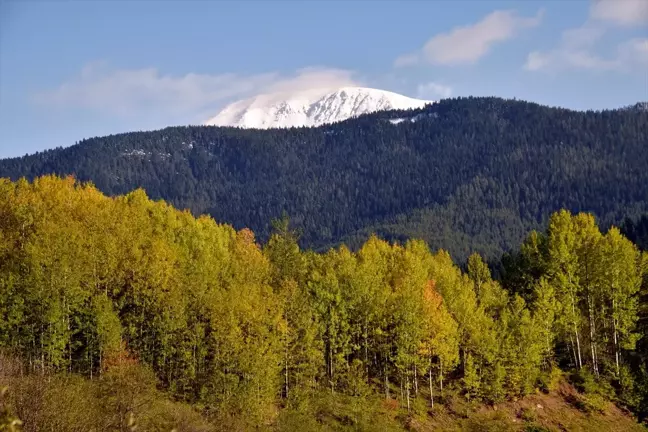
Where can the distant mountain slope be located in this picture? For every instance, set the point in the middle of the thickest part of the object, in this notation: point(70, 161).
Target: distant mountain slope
point(468, 173)
point(310, 108)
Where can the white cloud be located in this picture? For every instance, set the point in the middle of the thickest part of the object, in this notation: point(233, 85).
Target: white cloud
point(139, 92)
point(577, 47)
point(620, 12)
point(561, 59)
point(630, 55)
point(468, 44)
point(407, 60)
point(634, 52)
point(433, 90)
point(314, 77)
point(583, 36)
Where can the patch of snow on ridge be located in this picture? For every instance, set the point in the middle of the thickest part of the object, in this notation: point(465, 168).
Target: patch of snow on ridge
point(413, 119)
point(139, 153)
point(142, 153)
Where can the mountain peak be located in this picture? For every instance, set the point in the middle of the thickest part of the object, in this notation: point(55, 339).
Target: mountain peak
point(313, 107)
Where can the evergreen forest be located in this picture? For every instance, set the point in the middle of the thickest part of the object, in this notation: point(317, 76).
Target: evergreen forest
point(122, 313)
point(467, 175)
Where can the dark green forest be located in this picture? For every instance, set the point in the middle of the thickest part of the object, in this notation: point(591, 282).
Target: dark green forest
point(125, 314)
point(466, 174)
point(637, 231)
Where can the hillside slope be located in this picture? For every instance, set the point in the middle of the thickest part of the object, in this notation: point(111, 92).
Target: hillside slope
point(464, 174)
point(552, 412)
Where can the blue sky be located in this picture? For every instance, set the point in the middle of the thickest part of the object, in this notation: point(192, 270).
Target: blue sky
point(76, 69)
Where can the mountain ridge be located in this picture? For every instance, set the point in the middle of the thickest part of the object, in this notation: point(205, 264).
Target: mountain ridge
point(314, 107)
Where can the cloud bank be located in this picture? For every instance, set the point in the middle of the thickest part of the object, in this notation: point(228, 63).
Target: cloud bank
point(620, 12)
point(577, 48)
point(134, 92)
point(433, 90)
point(466, 45)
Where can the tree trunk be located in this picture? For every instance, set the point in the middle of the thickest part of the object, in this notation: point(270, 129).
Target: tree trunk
point(329, 351)
point(463, 360)
point(366, 350)
point(386, 383)
point(67, 319)
point(590, 307)
point(42, 357)
point(415, 381)
point(573, 349)
point(286, 370)
point(431, 391)
point(332, 386)
point(579, 362)
point(578, 349)
point(616, 345)
point(407, 391)
point(548, 348)
point(441, 375)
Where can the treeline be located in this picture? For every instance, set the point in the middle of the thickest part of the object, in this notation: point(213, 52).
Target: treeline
point(470, 174)
point(93, 286)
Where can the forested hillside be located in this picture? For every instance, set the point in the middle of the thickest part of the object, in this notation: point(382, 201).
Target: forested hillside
point(468, 174)
point(127, 314)
point(637, 231)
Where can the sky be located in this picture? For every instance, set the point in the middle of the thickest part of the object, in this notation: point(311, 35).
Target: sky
point(71, 70)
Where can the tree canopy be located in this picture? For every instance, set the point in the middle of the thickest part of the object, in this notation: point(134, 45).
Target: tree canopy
point(134, 293)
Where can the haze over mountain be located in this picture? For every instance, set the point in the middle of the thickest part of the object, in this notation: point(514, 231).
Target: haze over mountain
point(313, 107)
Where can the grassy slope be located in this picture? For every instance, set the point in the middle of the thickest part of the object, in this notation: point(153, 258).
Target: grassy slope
point(562, 410)
point(557, 411)
point(71, 403)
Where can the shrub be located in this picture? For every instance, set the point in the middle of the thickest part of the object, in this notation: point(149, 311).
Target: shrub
point(549, 381)
point(496, 422)
point(528, 415)
point(8, 421)
point(587, 403)
point(536, 428)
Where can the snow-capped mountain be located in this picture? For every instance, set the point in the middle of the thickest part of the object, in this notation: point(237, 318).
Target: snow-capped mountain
point(310, 108)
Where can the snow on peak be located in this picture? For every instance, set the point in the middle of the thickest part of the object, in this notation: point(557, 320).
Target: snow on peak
point(313, 107)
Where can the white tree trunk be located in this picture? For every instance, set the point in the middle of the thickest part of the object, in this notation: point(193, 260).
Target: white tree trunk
point(386, 383)
point(590, 306)
point(573, 349)
point(616, 343)
point(286, 369)
point(579, 362)
point(407, 391)
point(430, 380)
